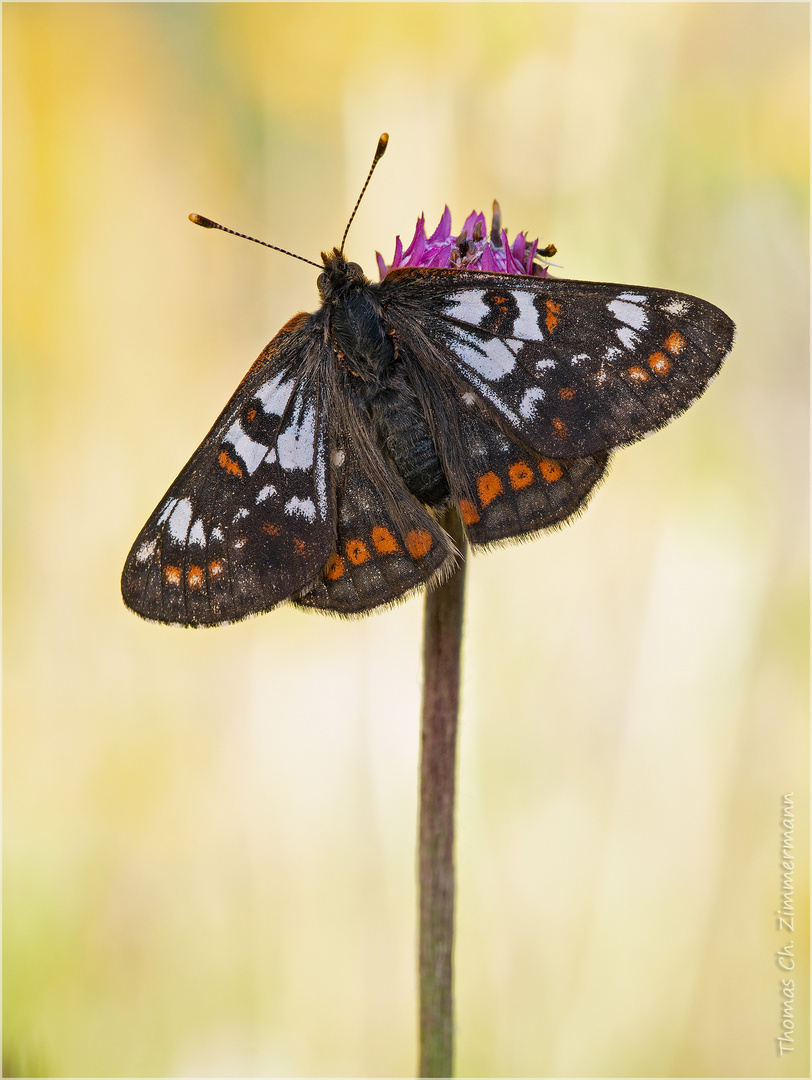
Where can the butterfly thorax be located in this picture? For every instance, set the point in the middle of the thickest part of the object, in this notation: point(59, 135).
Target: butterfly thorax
point(356, 325)
point(364, 346)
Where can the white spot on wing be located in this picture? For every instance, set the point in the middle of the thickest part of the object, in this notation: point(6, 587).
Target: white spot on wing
point(216, 533)
point(180, 519)
point(266, 493)
point(469, 307)
point(270, 457)
point(197, 535)
point(577, 359)
point(493, 397)
point(675, 306)
point(250, 451)
point(633, 297)
point(321, 478)
point(526, 325)
point(241, 513)
point(491, 359)
point(528, 405)
point(275, 395)
point(544, 365)
point(301, 507)
point(145, 550)
point(167, 510)
point(628, 337)
point(295, 444)
point(628, 313)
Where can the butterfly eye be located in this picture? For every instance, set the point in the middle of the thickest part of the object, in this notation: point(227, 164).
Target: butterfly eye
point(354, 270)
point(321, 282)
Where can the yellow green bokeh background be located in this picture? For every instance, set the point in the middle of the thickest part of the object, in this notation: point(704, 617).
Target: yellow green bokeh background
point(210, 836)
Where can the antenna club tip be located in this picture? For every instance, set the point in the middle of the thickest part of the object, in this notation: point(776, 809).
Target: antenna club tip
point(383, 142)
point(204, 221)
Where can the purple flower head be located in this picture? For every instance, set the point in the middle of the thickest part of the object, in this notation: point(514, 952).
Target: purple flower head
point(474, 249)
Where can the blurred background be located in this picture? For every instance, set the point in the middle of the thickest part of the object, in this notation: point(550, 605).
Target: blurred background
point(210, 836)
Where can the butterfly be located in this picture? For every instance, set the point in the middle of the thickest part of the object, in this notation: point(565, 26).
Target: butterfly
point(323, 479)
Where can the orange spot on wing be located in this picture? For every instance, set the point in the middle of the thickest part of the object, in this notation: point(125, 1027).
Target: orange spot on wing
point(500, 300)
point(559, 427)
point(252, 413)
point(384, 541)
point(271, 530)
point(418, 543)
point(194, 577)
point(659, 363)
point(566, 393)
point(300, 547)
point(489, 486)
point(215, 568)
point(334, 567)
point(520, 475)
point(229, 465)
point(637, 373)
point(674, 343)
point(553, 311)
point(550, 470)
point(172, 575)
point(357, 552)
point(469, 512)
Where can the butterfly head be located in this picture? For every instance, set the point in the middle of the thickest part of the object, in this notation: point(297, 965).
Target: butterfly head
point(339, 276)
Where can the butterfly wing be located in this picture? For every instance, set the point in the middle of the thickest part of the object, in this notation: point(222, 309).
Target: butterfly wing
point(250, 519)
point(503, 487)
point(571, 368)
point(386, 544)
point(526, 383)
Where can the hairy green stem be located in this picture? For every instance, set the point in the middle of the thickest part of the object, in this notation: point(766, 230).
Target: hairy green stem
point(442, 635)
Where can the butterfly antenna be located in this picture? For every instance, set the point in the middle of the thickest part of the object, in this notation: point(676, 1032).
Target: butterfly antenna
point(380, 151)
point(207, 223)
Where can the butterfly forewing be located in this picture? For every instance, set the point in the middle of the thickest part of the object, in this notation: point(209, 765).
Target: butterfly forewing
point(573, 368)
point(250, 519)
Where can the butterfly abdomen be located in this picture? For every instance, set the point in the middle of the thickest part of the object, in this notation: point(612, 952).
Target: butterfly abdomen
point(401, 425)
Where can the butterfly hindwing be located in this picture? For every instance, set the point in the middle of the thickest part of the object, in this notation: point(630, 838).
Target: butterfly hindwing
point(386, 543)
point(250, 519)
point(573, 368)
point(518, 492)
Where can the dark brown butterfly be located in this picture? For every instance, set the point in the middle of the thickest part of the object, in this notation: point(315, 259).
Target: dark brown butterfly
point(322, 479)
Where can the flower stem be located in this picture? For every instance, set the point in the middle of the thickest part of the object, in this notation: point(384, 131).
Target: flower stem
point(442, 636)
